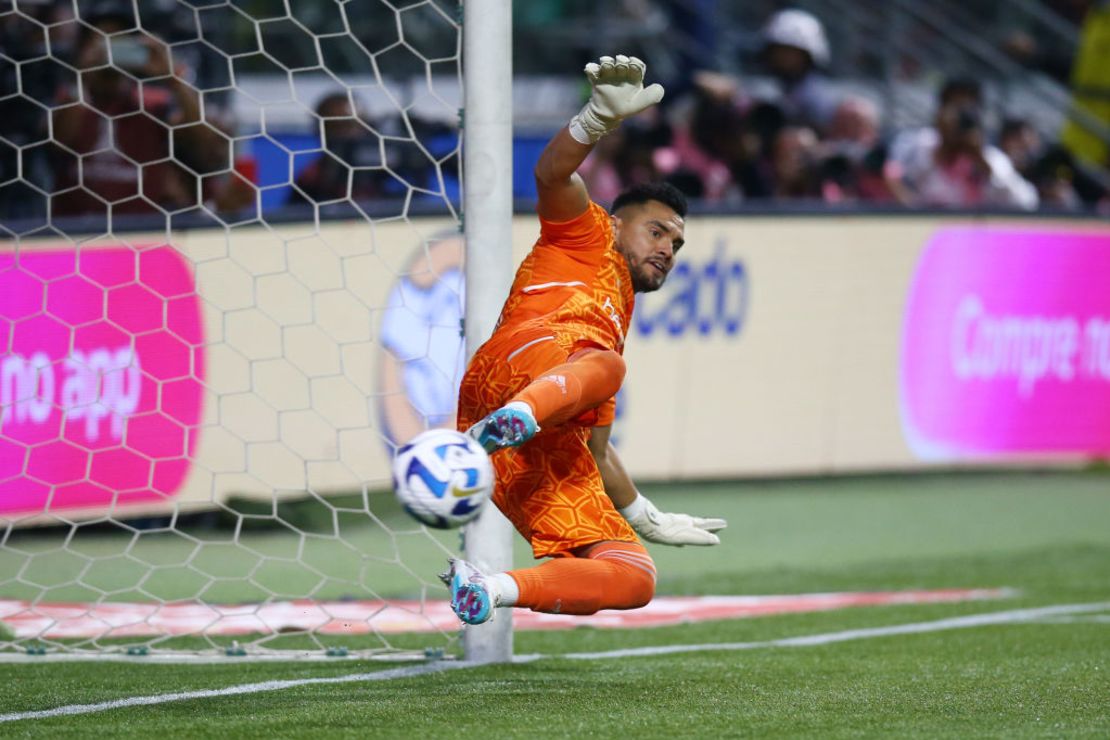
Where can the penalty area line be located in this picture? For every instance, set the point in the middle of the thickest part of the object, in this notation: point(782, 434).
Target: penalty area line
point(1015, 616)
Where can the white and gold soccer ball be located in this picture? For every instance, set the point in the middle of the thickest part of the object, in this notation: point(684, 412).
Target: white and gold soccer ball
point(442, 478)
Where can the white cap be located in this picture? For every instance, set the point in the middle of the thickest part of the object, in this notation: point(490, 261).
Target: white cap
point(801, 30)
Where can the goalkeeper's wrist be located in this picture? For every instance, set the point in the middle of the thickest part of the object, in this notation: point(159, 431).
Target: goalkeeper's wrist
point(637, 508)
point(587, 127)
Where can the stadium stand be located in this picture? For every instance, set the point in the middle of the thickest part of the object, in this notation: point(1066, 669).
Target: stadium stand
point(767, 103)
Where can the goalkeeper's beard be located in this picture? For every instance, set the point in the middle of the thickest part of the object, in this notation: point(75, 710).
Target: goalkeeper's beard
point(645, 278)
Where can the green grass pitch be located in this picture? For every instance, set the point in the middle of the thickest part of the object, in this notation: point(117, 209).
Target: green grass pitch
point(1047, 535)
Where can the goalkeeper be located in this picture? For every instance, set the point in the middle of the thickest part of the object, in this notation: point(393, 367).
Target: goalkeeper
point(542, 389)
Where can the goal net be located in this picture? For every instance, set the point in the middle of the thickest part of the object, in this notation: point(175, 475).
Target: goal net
point(230, 286)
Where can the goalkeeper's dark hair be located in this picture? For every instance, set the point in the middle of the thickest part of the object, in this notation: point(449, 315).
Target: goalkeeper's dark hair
point(663, 192)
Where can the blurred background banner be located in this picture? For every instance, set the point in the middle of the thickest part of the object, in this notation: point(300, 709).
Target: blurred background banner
point(100, 389)
point(1007, 343)
point(815, 345)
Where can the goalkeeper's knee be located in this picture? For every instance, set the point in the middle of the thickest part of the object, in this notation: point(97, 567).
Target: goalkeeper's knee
point(589, 378)
point(632, 583)
point(612, 575)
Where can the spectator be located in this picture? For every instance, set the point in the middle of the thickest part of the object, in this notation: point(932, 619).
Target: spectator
point(1064, 183)
point(1028, 45)
point(644, 136)
point(794, 163)
point(795, 50)
point(853, 157)
point(1019, 141)
point(601, 170)
point(704, 151)
point(364, 159)
point(24, 158)
point(1055, 177)
point(720, 151)
point(641, 151)
point(133, 110)
point(854, 124)
point(763, 122)
point(351, 166)
point(951, 164)
point(1090, 82)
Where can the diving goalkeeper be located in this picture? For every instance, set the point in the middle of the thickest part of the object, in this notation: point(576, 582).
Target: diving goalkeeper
point(540, 394)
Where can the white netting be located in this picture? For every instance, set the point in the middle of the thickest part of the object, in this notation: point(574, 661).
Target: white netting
point(230, 283)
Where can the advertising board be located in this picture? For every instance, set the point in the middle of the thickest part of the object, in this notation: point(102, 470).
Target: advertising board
point(271, 362)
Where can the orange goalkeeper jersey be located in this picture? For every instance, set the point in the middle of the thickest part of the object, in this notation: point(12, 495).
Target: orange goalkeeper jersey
point(574, 282)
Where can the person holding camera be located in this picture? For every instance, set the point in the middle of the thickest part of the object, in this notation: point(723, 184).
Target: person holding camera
point(134, 137)
point(364, 159)
point(951, 165)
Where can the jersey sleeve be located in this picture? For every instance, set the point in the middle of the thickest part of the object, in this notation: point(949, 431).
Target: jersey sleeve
point(591, 230)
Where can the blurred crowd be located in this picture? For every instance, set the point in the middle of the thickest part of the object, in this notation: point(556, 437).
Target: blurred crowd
point(109, 108)
point(368, 158)
point(109, 122)
point(810, 141)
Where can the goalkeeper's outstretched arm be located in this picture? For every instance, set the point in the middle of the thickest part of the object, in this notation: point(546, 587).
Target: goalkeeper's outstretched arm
point(650, 523)
point(617, 91)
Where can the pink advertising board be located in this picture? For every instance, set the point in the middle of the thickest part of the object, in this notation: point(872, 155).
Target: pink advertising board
point(1006, 344)
point(101, 365)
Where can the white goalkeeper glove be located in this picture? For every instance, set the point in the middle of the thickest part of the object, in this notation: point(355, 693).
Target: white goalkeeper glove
point(671, 529)
point(618, 92)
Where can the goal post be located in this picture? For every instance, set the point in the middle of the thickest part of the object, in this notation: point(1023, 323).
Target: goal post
point(487, 219)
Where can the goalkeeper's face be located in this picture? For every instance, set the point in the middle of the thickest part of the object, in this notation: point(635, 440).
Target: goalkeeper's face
point(648, 235)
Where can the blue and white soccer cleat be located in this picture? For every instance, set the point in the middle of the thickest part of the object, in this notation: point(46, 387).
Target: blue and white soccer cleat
point(472, 598)
point(508, 426)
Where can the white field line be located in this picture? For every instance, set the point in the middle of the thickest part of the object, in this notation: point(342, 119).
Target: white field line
point(169, 657)
point(975, 620)
point(247, 688)
point(939, 625)
point(1085, 619)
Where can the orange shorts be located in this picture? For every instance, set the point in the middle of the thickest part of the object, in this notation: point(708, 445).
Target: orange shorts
point(550, 487)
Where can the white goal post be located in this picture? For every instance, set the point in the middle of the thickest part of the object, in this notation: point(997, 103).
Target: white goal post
point(487, 219)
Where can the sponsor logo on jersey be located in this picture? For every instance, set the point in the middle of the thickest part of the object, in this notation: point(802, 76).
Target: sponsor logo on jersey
point(611, 311)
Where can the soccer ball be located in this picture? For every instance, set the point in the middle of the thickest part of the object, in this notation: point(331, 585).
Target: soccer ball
point(442, 478)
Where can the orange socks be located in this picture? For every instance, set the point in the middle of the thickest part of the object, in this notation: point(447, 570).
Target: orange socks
point(589, 378)
point(614, 575)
